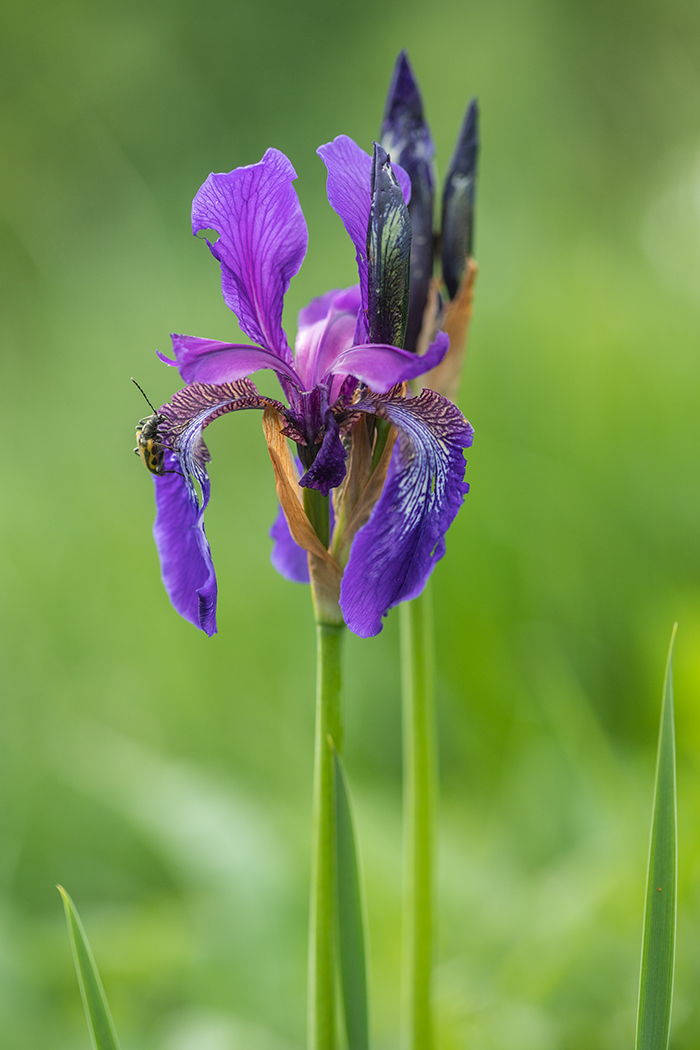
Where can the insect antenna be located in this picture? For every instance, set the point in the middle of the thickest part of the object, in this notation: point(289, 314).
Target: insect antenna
point(144, 394)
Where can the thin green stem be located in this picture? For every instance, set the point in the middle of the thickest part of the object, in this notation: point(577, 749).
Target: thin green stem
point(420, 797)
point(317, 507)
point(322, 1024)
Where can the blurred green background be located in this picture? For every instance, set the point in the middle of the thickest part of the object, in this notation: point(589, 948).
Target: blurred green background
point(165, 778)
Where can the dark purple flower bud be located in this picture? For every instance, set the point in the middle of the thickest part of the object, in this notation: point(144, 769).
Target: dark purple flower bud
point(406, 136)
point(458, 202)
point(388, 255)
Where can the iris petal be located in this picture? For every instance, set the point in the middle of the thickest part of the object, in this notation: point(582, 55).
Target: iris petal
point(393, 555)
point(209, 361)
point(318, 344)
point(262, 242)
point(382, 367)
point(344, 299)
point(185, 557)
point(183, 548)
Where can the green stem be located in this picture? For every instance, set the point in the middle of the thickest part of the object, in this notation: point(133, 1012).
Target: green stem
point(322, 933)
point(420, 796)
point(316, 507)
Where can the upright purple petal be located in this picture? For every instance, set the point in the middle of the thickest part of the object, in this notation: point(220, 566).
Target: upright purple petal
point(290, 560)
point(262, 242)
point(185, 558)
point(208, 361)
point(382, 367)
point(349, 194)
point(393, 555)
point(345, 299)
point(319, 345)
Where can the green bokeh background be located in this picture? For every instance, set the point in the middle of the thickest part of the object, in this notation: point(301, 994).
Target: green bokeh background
point(165, 778)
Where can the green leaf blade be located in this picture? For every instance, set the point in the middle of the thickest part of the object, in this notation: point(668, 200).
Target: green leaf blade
point(99, 1019)
point(659, 937)
point(351, 921)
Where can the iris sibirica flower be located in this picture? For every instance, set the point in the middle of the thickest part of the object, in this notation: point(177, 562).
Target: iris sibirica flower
point(379, 474)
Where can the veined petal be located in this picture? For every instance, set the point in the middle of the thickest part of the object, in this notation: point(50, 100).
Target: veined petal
point(197, 405)
point(185, 558)
point(208, 361)
point(349, 194)
point(262, 242)
point(393, 555)
point(382, 367)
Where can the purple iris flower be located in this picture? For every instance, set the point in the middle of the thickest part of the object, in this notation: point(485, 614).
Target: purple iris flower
point(393, 464)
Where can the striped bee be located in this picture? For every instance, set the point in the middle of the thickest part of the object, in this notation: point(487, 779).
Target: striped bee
point(148, 443)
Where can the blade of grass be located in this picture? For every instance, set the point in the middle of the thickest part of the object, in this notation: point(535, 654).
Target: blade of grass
point(351, 922)
point(659, 936)
point(99, 1019)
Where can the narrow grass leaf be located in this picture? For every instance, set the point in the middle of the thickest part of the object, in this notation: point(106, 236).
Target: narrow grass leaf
point(659, 937)
point(351, 924)
point(97, 1012)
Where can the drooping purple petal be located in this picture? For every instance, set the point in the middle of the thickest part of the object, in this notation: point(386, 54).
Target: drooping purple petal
point(185, 558)
point(208, 361)
point(290, 560)
point(382, 367)
point(262, 242)
point(393, 555)
point(348, 186)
